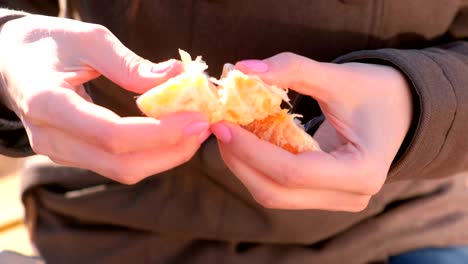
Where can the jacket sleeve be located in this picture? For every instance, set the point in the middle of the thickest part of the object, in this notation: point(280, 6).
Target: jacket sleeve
point(43, 7)
point(437, 144)
point(13, 138)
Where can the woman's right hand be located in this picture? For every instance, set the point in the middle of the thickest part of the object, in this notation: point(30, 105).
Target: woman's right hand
point(44, 62)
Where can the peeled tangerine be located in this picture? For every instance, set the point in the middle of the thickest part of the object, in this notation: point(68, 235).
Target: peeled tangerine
point(238, 98)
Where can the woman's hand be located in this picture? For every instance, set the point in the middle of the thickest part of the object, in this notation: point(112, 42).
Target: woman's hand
point(44, 62)
point(368, 110)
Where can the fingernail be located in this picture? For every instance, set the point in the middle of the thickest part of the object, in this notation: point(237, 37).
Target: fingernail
point(196, 128)
point(204, 136)
point(163, 66)
point(222, 132)
point(255, 65)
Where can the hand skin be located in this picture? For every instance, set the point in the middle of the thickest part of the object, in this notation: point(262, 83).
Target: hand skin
point(368, 110)
point(45, 61)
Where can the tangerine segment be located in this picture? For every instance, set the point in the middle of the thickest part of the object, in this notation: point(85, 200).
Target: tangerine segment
point(186, 92)
point(283, 130)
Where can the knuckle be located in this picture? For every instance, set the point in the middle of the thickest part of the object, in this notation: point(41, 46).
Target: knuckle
point(36, 147)
point(287, 55)
point(373, 181)
point(360, 204)
point(267, 200)
point(292, 177)
point(123, 174)
point(30, 107)
point(110, 140)
point(26, 109)
point(128, 180)
point(130, 67)
point(185, 152)
point(367, 176)
point(97, 30)
point(292, 64)
point(188, 155)
point(373, 187)
point(40, 106)
point(289, 59)
point(54, 160)
point(58, 161)
point(380, 176)
point(38, 144)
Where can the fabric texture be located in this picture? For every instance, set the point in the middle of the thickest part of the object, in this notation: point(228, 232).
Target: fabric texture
point(199, 212)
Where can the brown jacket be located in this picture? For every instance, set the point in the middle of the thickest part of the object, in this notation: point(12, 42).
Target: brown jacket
point(199, 212)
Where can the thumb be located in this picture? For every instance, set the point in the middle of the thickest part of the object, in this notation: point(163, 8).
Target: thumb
point(112, 59)
point(301, 74)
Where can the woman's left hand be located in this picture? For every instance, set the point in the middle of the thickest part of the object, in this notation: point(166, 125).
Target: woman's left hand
point(368, 110)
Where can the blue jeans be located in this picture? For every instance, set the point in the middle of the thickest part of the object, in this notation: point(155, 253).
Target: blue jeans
point(450, 255)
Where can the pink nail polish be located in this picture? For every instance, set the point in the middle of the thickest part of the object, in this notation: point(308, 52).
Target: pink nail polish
point(255, 65)
point(163, 66)
point(196, 128)
point(222, 132)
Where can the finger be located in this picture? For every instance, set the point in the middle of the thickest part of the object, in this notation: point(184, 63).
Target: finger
point(67, 111)
point(115, 61)
point(126, 168)
point(342, 170)
point(299, 73)
point(81, 91)
point(271, 195)
point(204, 136)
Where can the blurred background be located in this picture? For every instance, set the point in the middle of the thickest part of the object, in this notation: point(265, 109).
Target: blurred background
point(13, 234)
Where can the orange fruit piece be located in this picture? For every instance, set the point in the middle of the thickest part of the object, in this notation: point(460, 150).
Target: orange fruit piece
point(238, 98)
